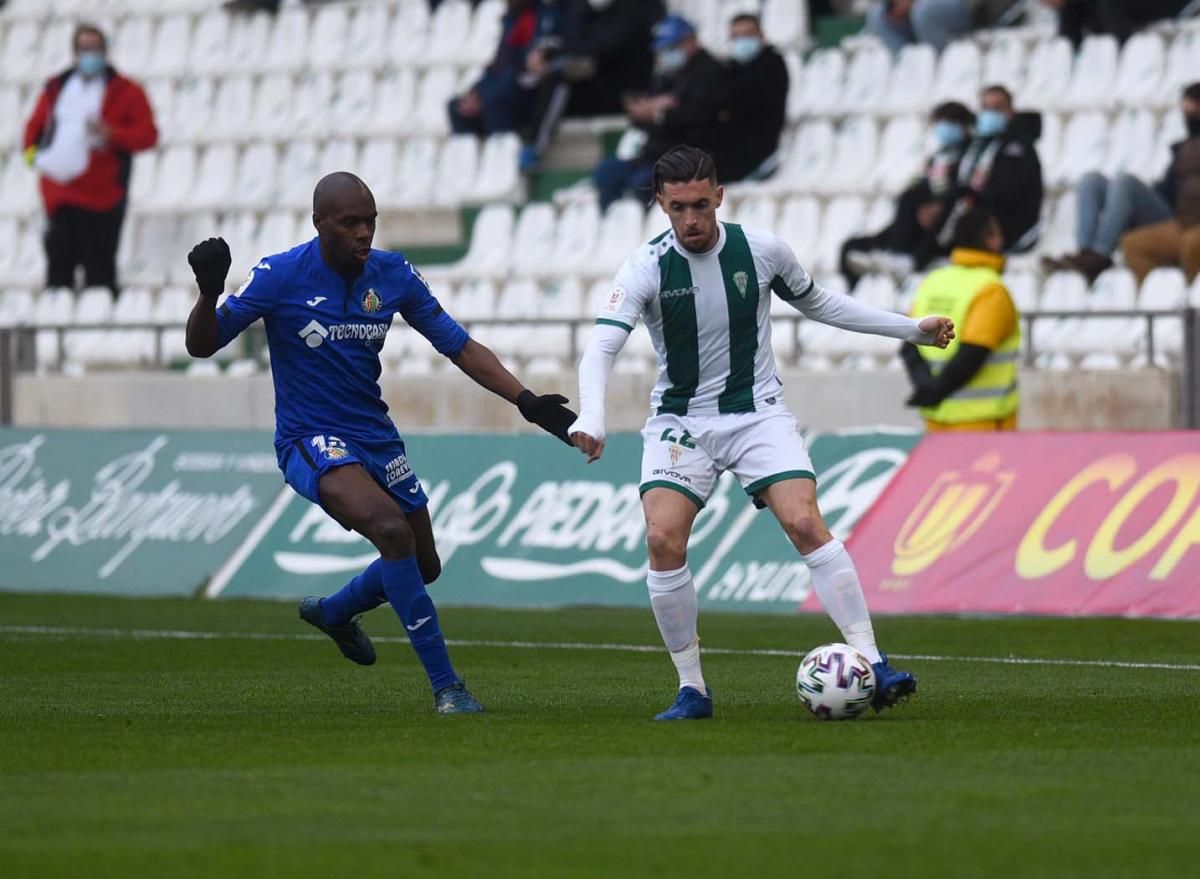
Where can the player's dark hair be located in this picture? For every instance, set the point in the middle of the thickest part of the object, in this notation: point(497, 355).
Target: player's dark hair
point(953, 111)
point(742, 17)
point(998, 89)
point(85, 27)
point(683, 164)
point(971, 230)
point(1192, 92)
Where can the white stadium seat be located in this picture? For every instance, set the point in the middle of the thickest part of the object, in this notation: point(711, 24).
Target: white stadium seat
point(475, 300)
point(1140, 70)
point(437, 86)
point(1047, 75)
point(1183, 61)
point(450, 27)
point(311, 104)
point(19, 60)
point(255, 182)
point(298, 171)
point(378, 167)
point(867, 79)
point(1131, 144)
point(498, 176)
point(533, 238)
point(395, 97)
point(911, 85)
point(822, 82)
point(190, 110)
point(842, 219)
point(853, 160)
point(620, 233)
point(215, 178)
point(233, 108)
point(457, 166)
point(485, 32)
point(171, 41)
point(368, 35)
point(563, 300)
point(176, 177)
point(272, 114)
point(16, 306)
point(795, 97)
point(902, 155)
point(210, 39)
point(785, 21)
point(1004, 63)
point(330, 44)
point(1095, 72)
point(959, 68)
point(491, 244)
point(288, 47)
point(1083, 149)
point(576, 232)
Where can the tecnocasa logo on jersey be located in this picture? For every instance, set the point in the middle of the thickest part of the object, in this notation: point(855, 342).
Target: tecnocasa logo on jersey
point(314, 333)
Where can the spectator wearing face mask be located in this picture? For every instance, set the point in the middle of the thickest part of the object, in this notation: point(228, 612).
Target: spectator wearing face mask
point(687, 108)
point(757, 104)
point(1000, 171)
point(899, 23)
point(910, 241)
point(88, 123)
point(1174, 241)
point(498, 102)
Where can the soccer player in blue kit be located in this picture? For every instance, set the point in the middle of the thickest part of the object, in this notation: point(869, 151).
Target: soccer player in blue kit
point(327, 306)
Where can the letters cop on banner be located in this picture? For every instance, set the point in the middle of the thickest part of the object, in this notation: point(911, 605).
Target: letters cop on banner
point(521, 520)
point(1093, 524)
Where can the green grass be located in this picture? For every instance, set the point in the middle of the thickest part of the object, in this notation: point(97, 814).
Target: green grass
point(157, 757)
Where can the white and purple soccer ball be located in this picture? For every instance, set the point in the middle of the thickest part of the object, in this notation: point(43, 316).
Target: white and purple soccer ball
point(835, 682)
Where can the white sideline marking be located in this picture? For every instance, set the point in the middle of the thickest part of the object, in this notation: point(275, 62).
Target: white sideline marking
point(192, 635)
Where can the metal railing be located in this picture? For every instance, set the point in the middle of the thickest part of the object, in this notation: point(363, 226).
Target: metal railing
point(18, 345)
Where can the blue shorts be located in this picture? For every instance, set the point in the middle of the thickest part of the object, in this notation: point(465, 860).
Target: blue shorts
point(305, 461)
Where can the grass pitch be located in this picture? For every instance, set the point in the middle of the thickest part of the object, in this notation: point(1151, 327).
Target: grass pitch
point(173, 755)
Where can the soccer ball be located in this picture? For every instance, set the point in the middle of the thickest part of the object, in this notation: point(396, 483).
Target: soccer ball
point(835, 682)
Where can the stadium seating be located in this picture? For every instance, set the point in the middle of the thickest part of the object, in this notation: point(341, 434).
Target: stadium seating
point(253, 108)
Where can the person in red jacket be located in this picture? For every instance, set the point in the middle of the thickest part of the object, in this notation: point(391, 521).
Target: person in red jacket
point(88, 123)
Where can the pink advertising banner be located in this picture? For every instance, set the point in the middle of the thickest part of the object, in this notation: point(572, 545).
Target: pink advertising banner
point(1087, 524)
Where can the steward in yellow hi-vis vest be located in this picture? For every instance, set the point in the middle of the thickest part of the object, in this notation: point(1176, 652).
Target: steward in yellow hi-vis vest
point(972, 383)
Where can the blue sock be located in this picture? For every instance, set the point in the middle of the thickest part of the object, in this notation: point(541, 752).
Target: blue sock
point(363, 593)
point(406, 592)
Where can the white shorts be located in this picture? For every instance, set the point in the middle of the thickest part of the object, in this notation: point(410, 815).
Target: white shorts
point(687, 453)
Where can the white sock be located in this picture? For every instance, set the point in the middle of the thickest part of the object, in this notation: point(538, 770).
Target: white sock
point(673, 600)
point(837, 586)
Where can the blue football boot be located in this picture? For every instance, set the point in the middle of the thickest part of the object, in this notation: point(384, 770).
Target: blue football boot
point(890, 685)
point(690, 704)
point(349, 637)
point(455, 699)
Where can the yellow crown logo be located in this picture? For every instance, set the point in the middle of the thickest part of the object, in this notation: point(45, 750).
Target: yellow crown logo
point(956, 506)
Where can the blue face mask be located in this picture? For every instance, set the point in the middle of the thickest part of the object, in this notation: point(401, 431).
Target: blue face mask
point(947, 133)
point(743, 50)
point(670, 60)
point(91, 63)
point(989, 123)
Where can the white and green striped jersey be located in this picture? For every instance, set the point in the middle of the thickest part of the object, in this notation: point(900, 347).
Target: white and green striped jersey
point(708, 315)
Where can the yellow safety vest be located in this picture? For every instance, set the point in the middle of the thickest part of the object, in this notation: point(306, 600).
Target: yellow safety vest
point(991, 394)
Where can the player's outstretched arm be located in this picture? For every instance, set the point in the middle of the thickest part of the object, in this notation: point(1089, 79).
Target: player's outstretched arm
point(547, 411)
point(848, 313)
point(210, 261)
point(606, 342)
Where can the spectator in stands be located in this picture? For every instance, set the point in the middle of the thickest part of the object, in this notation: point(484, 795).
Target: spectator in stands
point(1106, 208)
point(686, 108)
point(1175, 241)
point(758, 90)
point(899, 23)
point(972, 383)
point(589, 56)
point(910, 242)
point(81, 137)
point(1000, 170)
point(498, 102)
point(1121, 18)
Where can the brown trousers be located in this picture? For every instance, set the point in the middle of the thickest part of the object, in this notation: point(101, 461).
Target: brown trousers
point(1162, 244)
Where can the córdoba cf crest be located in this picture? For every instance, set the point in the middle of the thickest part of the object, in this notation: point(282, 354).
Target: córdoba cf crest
point(740, 279)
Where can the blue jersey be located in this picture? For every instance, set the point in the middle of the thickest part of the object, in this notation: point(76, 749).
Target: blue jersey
point(325, 335)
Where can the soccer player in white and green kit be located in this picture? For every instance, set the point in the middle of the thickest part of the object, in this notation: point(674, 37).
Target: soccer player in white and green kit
point(703, 290)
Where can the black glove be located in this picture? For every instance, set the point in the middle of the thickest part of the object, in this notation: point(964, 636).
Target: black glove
point(925, 396)
point(210, 260)
point(548, 413)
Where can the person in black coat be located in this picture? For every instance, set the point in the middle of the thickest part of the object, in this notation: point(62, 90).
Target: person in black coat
point(756, 102)
point(1000, 171)
point(688, 107)
point(910, 241)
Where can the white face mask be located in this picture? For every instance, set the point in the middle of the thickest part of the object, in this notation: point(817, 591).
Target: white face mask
point(600, 5)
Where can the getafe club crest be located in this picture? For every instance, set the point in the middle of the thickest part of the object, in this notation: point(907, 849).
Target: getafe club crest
point(741, 279)
point(371, 302)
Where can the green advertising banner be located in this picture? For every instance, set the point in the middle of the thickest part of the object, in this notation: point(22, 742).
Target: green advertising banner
point(522, 520)
point(131, 512)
